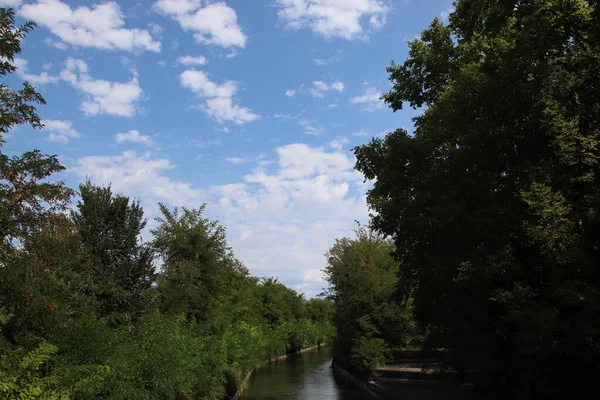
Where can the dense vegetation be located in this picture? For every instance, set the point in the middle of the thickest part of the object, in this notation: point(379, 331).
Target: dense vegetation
point(493, 203)
point(84, 311)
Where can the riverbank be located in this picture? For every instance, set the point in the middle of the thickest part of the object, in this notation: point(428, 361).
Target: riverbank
point(407, 388)
point(244, 382)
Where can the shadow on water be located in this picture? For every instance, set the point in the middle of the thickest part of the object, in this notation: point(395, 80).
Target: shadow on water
point(301, 377)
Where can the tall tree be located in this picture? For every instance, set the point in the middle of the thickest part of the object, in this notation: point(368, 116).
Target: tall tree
point(363, 278)
point(494, 202)
point(110, 227)
point(199, 272)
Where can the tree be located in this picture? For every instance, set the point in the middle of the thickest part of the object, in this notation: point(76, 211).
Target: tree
point(493, 203)
point(16, 106)
point(363, 278)
point(110, 227)
point(199, 270)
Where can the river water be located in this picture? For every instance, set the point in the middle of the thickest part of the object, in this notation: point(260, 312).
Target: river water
point(305, 376)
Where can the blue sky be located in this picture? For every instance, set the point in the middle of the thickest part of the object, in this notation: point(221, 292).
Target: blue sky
point(249, 106)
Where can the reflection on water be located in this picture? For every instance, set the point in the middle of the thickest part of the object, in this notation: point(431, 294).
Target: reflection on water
point(301, 377)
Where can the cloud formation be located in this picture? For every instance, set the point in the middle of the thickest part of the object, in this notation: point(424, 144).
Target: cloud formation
point(60, 131)
point(101, 96)
point(371, 97)
point(134, 137)
point(218, 98)
point(334, 18)
point(101, 26)
point(215, 23)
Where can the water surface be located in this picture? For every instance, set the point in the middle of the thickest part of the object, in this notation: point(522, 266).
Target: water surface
point(306, 376)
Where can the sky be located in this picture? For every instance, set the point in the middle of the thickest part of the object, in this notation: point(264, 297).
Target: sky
point(249, 106)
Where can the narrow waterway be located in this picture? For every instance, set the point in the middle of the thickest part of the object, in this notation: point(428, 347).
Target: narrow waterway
point(306, 376)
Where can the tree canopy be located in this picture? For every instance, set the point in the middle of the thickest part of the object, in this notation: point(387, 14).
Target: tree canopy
point(493, 201)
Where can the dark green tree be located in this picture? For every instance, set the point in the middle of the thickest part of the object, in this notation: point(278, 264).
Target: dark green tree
point(494, 202)
point(110, 227)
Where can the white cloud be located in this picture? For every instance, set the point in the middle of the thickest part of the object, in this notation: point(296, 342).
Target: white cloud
point(218, 98)
point(334, 18)
point(306, 197)
point(361, 133)
point(191, 60)
point(332, 105)
point(311, 127)
point(60, 131)
point(133, 136)
point(213, 23)
point(138, 175)
point(102, 97)
point(290, 92)
point(371, 97)
point(319, 88)
point(40, 79)
point(321, 62)
point(240, 160)
point(101, 26)
point(338, 144)
point(446, 13)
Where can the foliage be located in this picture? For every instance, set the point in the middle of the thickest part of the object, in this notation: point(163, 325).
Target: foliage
point(109, 227)
point(363, 278)
point(84, 315)
point(16, 106)
point(493, 202)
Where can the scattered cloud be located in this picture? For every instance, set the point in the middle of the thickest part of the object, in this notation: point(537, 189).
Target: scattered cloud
point(102, 97)
point(361, 133)
point(332, 105)
point(138, 175)
point(101, 26)
point(371, 97)
point(319, 88)
point(290, 92)
point(218, 98)
point(305, 184)
point(134, 137)
point(446, 13)
point(191, 60)
point(241, 160)
point(339, 143)
point(311, 127)
point(60, 131)
point(341, 18)
point(215, 23)
point(40, 79)
point(56, 44)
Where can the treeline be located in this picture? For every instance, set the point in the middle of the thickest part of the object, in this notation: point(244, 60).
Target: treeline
point(85, 312)
point(492, 204)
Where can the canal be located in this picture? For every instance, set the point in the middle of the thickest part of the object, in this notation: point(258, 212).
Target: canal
point(305, 376)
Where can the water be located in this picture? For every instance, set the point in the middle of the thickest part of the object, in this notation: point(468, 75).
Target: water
point(306, 376)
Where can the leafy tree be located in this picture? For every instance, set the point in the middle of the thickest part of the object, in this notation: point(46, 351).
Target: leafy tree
point(363, 279)
point(493, 203)
point(110, 227)
point(199, 269)
point(16, 106)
